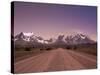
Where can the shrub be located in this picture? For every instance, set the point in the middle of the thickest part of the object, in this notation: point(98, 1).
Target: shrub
point(27, 49)
point(48, 48)
point(68, 47)
point(74, 47)
point(41, 49)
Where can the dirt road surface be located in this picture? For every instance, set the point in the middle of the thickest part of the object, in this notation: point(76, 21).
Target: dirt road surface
point(56, 60)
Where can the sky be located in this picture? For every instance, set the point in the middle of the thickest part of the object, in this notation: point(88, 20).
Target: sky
point(51, 20)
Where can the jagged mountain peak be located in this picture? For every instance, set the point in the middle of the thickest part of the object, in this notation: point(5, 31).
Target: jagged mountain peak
point(77, 38)
point(24, 36)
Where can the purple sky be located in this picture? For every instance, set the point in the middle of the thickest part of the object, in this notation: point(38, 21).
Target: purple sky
point(49, 20)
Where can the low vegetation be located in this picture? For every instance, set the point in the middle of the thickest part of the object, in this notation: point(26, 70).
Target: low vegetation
point(87, 48)
point(21, 53)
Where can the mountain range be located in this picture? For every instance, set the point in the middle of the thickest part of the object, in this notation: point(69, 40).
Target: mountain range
point(24, 39)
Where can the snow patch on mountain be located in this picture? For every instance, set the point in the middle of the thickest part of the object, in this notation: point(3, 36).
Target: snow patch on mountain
point(61, 39)
point(28, 34)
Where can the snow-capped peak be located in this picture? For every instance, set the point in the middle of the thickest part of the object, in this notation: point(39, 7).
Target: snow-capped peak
point(83, 36)
point(28, 34)
point(78, 39)
point(69, 39)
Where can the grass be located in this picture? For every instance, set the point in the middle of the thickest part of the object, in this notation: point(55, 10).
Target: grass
point(87, 48)
point(90, 49)
point(23, 53)
point(26, 52)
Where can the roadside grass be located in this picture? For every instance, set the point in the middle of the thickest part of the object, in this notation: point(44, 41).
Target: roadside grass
point(87, 48)
point(23, 53)
point(26, 52)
